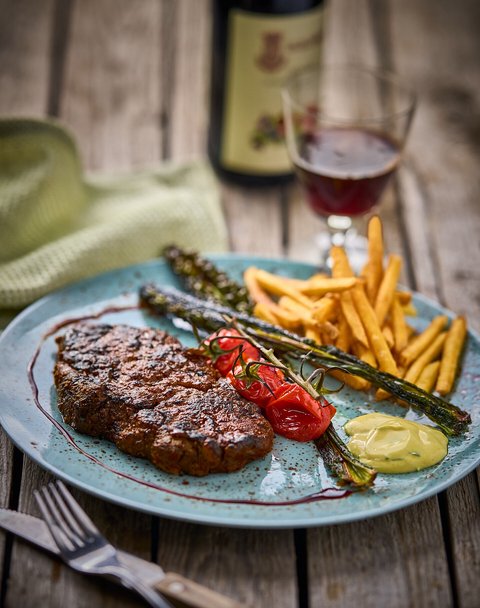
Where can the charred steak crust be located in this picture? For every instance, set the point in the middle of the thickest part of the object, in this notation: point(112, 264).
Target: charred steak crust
point(142, 390)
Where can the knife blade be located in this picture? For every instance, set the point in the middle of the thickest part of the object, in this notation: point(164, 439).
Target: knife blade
point(35, 531)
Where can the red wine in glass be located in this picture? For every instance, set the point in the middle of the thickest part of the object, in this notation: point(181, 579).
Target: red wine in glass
point(345, 170)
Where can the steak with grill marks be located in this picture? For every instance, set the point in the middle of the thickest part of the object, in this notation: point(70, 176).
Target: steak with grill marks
point(142, 390)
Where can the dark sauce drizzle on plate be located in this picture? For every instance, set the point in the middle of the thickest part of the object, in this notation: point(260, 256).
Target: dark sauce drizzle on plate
point(325, 494)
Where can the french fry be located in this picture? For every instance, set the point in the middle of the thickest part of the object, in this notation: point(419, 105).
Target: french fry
point(399, 327)
point(289, 304)
point(409, 310)
point(272, 313)
point(404, 297)
point(320, 287)
point(376, 339)
point(422, 341)
point(374, 269)
point(300, 283)
point(279, 287)
point(256, 292)
point(313, 334)
point(340, 265)
point(325, 310)
point(359, 384)
point(388, 335)
point(265, 313)
point(451, 355)
point(353, 319)
point(365, 354)
point(329, 332)
point(430, 354)
point(344, 339)
point(426, 380)
point(386, 291)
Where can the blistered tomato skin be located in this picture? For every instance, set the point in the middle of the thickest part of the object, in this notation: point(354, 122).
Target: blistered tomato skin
point(227, 340)
point(291, 411)
point(261, 391)
point(295, 414)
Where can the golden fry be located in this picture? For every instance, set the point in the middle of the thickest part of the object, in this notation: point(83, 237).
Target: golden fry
point(353, 318)
point(422, 341)
point(409, 310)
point(430, 354)
point(313, 334)
point(285, 318)
point(265, 313)
point(365, 354)
point(359, 384)
point(279, 287)
point(320, 287)
point(374, 269)
point(340, 265)
point(386, 291)
point(376, 339)
point(329, 332)
point(399, 327)
point(388, 335)
point(325, 310)
point(344, 339)
point(404, 297)
point(288, 303)
point(428, 377)
point(256, 292)
point(451, 355)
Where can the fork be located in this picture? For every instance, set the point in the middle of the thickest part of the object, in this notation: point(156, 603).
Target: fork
point(81, 544)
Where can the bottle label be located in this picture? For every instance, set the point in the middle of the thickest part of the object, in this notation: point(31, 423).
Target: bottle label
point(264, 50)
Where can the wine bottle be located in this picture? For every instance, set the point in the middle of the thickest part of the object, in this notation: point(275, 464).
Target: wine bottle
point(257, 45)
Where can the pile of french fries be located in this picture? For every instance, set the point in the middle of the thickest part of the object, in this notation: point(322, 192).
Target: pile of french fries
point(363, 315)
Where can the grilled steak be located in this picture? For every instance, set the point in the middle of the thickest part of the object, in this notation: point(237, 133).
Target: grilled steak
point(142, 390)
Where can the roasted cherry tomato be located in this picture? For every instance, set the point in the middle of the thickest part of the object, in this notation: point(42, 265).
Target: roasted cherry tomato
point(293, 413)
point(260, 391)
point(232, 345)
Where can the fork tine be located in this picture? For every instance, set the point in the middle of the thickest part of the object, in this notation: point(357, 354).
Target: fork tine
point(57, 512)
point(77, 512)
point(70, 521)
point(58, 535)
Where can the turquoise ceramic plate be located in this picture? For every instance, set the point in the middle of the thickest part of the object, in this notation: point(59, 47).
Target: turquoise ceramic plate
point(279, 482)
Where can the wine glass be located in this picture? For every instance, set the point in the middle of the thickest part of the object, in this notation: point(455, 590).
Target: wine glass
point(345, 129)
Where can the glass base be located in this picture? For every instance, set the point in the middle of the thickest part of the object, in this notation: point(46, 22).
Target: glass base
point(342, 233)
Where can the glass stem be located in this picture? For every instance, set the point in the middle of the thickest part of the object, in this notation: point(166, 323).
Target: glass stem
point(339, 226)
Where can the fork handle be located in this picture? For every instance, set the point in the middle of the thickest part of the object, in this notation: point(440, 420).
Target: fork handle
point(193, 595)
point(132, 582)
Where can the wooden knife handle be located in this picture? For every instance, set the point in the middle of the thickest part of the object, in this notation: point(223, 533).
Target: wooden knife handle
point(187, 593)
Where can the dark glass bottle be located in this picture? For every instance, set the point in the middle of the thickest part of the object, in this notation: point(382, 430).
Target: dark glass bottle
point(256, 45)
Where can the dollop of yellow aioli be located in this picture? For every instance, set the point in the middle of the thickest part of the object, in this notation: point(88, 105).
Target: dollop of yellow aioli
point(394, 445)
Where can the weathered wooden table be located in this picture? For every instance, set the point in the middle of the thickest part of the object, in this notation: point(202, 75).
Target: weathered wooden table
point(130, 79)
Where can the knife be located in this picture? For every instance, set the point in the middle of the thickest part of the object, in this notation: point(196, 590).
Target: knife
point(178, 588)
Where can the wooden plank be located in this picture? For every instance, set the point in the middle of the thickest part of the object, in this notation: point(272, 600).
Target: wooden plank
point(25, 34)
point(386, 561)
point(112, 85)
point(188, 115)
point(252, 566)
point(6, 470)
point(445, 150)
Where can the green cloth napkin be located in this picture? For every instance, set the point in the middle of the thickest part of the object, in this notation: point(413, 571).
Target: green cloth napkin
point(57, 226)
